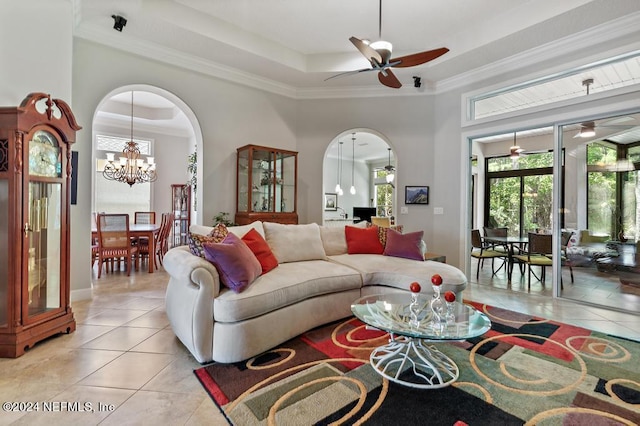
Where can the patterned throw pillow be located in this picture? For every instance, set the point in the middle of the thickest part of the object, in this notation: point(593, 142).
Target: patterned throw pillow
point(382, 233)
point(217, 235)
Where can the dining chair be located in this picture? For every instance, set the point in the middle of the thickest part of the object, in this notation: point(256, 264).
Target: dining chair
point(144, 217)
point(564, 256)
point(114, 241)
point(481, 251)
point(501, 232)
point(161, 241)
point(539, 252)
point(381, 221)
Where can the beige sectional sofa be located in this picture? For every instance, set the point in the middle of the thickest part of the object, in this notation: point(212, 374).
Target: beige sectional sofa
point(314, 283)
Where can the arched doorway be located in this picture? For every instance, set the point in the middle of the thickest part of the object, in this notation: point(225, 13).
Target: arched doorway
point(159, 118)
point(355, 169)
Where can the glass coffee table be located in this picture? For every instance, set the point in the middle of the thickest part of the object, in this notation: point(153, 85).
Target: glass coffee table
point(411, 358)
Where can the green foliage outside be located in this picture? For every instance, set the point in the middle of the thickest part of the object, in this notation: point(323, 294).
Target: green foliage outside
point(537, 195)
point(384, 196)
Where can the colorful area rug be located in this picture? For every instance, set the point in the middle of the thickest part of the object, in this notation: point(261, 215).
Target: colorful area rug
point(525, 370)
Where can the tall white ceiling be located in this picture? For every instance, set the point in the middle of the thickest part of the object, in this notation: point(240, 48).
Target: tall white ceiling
point(294, 45)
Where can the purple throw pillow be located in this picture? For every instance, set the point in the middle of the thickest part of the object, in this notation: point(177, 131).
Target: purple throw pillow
point(404, 245)
point(236, 264)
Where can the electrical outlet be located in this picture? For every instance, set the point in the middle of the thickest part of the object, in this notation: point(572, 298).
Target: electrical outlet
point(438, 210)
point(404, 210)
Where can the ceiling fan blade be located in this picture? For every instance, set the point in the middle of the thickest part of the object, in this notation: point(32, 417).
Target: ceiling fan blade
point(389, 80)
point(368, 52)
point(344, 74)
point(418, 58)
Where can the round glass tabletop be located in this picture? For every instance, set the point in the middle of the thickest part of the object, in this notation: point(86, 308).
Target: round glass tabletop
point(391, 312)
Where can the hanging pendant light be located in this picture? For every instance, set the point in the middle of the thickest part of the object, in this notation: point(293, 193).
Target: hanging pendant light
point(130, 168)
point(390, 169)
point(339, 190)
point(353, 162)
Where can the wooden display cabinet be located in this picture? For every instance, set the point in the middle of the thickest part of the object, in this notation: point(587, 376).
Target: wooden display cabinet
point(35, 177)
point(266, 185)
point(181, 206)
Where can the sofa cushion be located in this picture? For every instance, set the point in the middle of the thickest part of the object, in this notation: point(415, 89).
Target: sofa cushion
point(294, 243)
point(334, 240)
point(215, 235)
point(239, 230)
point(398, 272)
point(404, 245)
point(286, 285)
point(260, 249)
point(236, 264)
point(363, 241)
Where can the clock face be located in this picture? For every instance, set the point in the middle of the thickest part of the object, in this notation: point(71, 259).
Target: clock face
point(44, 155)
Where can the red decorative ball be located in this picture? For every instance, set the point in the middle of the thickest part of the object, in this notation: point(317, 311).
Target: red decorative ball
point(436, 279)
point(450, 296)
point(414, 287)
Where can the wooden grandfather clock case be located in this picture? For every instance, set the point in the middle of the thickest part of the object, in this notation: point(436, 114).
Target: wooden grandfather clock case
point(35, 177)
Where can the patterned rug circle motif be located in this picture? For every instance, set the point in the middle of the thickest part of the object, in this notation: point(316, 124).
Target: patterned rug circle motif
point(595, 416)
point(597, 348)
point(529, 382)
point(525, 370)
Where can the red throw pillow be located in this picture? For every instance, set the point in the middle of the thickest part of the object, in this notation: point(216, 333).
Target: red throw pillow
point(261, 250)
point(363, 240)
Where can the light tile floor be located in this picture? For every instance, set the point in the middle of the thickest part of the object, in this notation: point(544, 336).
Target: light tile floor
point(124, 360)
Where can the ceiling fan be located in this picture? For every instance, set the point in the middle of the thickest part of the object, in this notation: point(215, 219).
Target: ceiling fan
point(378, 54)
point(588, 128)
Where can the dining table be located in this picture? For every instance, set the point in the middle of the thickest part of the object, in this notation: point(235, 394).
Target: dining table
point(137, 230)
point(512, 244)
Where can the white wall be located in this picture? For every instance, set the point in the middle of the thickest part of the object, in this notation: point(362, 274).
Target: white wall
point(408, 129)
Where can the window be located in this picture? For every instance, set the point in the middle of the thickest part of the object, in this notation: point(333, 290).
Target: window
point(609, 74)
point(383, 193)
point(117, 197)
point(612, 185)
point(520, 193)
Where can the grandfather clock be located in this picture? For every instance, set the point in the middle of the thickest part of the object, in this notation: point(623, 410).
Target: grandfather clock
point(35, 174)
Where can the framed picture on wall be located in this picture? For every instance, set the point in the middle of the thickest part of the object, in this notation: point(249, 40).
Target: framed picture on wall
point(330, 201)
point(416, 195)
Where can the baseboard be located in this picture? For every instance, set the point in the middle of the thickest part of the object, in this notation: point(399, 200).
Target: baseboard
point(82, 294)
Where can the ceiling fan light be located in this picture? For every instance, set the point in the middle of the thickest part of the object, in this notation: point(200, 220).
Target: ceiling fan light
point(384, 48)
point(587, 130)
point(514, 152)
point(389, 177)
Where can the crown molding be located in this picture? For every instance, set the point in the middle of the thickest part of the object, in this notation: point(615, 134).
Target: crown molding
point(602, 33)
point(186, 61)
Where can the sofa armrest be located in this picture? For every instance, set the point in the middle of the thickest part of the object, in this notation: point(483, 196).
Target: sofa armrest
point(193, 284)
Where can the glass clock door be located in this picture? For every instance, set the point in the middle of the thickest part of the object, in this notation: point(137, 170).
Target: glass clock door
point(43, 225)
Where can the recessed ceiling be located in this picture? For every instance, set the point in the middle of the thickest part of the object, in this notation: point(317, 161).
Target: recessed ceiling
point(298, 44)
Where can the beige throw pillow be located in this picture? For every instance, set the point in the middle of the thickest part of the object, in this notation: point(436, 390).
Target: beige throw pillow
point(294, 243)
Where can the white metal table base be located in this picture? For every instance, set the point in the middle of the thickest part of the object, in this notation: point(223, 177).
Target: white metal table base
point(430, 368)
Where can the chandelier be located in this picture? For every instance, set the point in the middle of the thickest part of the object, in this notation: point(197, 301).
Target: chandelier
point(130, 168)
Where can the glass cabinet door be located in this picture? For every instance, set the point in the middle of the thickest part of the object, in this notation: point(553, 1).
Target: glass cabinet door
point(43, 225)
point(243, 181)
point(285, 182)
point(263, 173)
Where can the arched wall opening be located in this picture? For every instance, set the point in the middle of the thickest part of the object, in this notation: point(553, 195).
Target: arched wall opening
point(351, 160)
point(171, 126)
